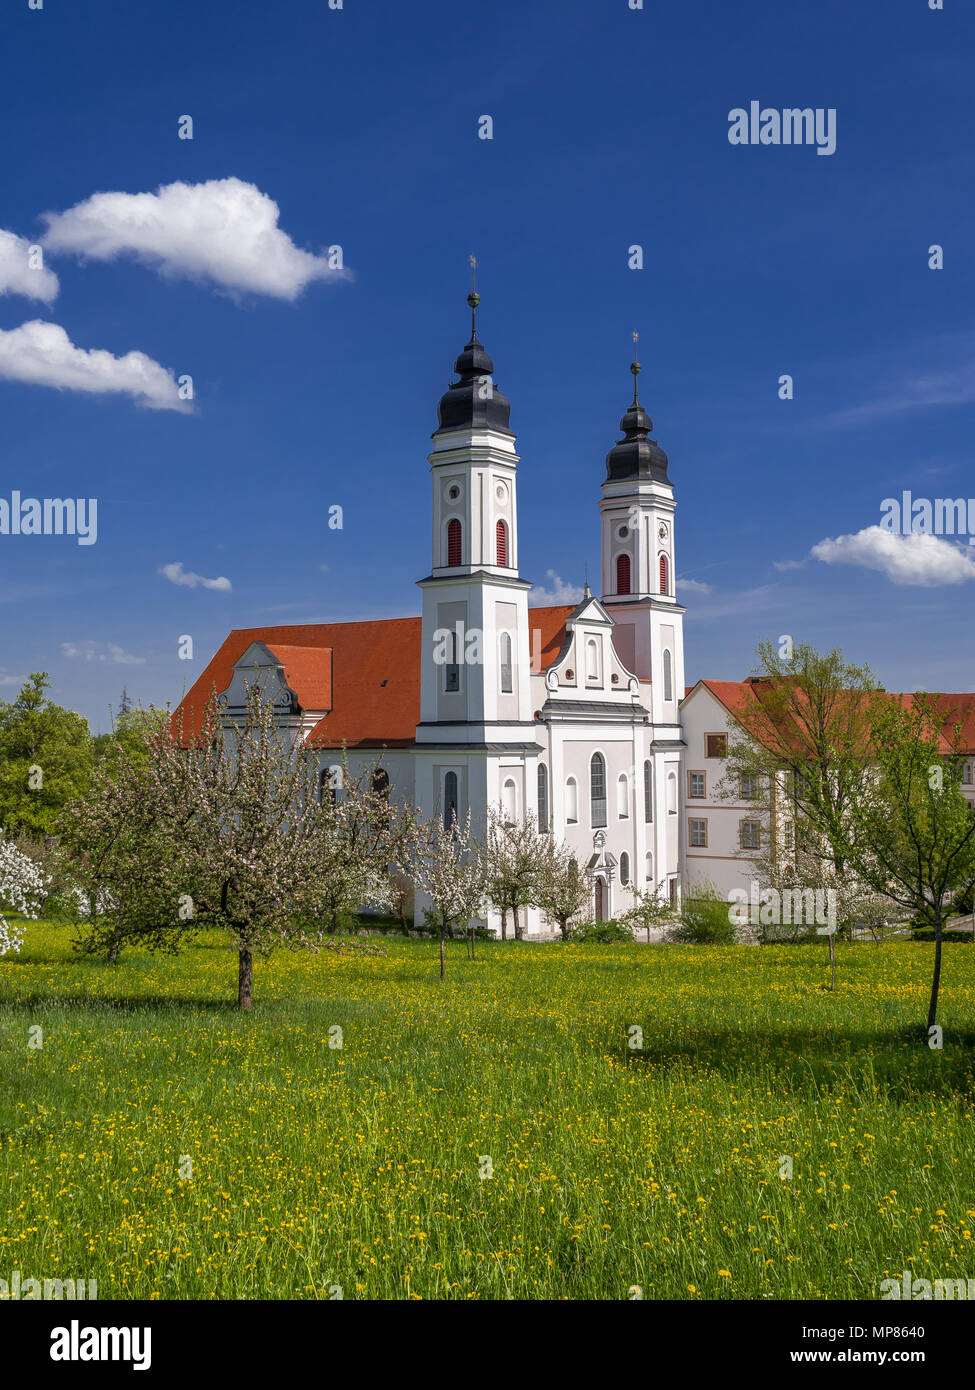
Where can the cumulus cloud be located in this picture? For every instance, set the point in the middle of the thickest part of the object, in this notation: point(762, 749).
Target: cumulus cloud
point(915, 559)
point(557, 592)
point(18, 276)
point(693, 586)
point(43, 354)
point(225, 231)
point(101, 651)
point(188, 580)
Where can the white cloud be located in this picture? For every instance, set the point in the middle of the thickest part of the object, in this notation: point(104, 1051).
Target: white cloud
point(16, 274)
point(558, 592)
point(693, 586)
point(917, 558)
point(188, 580)
point(784, 565)
point(224, 230)
point(6, 679)
point(43, 354)
point(101, 651)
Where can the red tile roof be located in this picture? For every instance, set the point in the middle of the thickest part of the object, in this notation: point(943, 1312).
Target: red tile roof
point(737, 696)
point(366, 674)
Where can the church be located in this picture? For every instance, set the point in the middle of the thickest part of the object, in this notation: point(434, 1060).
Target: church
point(576, 717)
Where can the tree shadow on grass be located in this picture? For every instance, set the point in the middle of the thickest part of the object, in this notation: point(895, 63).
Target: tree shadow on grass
point(896, 1061)
point(137, 1003)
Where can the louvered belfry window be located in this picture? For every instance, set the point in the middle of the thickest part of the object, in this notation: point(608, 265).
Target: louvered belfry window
point(502, 535)
point(453, 542)
point(622, 574)
point(664, 587)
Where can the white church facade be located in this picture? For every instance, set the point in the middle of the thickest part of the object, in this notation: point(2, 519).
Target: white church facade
point(577, 717)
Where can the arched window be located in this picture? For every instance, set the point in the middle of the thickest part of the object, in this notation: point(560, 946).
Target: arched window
point(664, 585)
point(649, 868)
point(542, 798)
point(501, 531)
point(380, 783)
point(622, 574)
point(453, 542)
point(571, 802)
point(509, 801)
point(668, 675)
point(592, 659)
point(624, 868)
point(648, 791)
point(622, 797)
point(507, 678)
point(449, 800)
point(672, 793)
point(597, 790)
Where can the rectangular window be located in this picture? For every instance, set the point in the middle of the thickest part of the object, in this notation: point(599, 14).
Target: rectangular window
point(748, 783)
point(789, 835)
point(699, 834)
point(966, 774)
point(697, 783)
point(751, 834)
point(715, 745)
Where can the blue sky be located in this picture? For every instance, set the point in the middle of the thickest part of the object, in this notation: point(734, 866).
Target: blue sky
point(610, 129)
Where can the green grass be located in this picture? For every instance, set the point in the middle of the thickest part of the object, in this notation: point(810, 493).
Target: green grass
point(612, 1168)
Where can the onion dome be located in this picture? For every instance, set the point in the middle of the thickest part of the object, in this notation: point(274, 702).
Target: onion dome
point(474, 402)
point(636, 455)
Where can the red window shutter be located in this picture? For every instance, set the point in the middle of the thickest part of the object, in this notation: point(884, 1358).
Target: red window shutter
point(663, 575)
point(622, 574)
point(502, 534)
point(453, 542)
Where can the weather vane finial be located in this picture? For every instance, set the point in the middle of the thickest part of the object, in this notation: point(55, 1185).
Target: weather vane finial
point(635, 367)
point(473, 298)
point(586, 592)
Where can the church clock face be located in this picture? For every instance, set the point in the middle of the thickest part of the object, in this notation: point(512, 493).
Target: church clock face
point(662, 532)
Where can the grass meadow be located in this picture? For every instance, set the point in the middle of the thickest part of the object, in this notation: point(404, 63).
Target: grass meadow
point(490, 1137)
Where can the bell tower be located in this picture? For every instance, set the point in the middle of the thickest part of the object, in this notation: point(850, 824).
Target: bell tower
point(638, 509)
point(475, 682)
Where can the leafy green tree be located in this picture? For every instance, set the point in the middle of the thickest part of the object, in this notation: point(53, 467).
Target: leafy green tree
point(46, 758)
point(133, 733)
point(911, 835)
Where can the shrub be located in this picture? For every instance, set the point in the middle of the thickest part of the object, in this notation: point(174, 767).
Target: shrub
point(705, 920)
point(599, 933)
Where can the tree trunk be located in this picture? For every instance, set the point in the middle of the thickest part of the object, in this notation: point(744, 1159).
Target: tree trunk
point(442, 935)
point(113, 946)
point(936, 981)
point(504, 924)
point(245, 979)
point(472, 941)
point(832, 959)
point(519, 928)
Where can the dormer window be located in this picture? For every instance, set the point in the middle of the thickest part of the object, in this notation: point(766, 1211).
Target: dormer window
point(592, 660)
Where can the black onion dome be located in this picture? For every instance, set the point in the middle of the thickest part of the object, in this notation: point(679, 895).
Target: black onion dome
point(636, 455)
point(467, 403)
